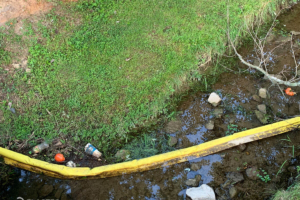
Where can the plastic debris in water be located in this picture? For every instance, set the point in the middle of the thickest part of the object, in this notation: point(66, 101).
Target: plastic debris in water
point(187, 169)
point(289, 92)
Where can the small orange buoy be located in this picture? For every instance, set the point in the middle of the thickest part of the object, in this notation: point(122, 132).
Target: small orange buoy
point(289, 92)
point(59, 157)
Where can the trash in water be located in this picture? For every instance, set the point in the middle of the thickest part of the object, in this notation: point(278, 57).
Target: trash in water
point(71, 164)
point(289, 92)
point(40, 147)
point(59, 157)
point(91, 150)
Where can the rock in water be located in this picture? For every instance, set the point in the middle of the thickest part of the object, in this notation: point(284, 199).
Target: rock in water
point(173, 126)
point(262, 108)
point(218, 112)
point(262, 93)
point(242, 147)
point(235, 176)
point(45, 190)
point(172, 141)
point(233, 192)
point(261, 117)
point(256, 98)
point(195, 166)
point(210, 125)
point(204, 192)
point(214, 99)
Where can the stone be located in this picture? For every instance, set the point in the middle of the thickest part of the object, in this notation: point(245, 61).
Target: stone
point(58, 193)
point(45, 190)
point(256, 98)
point(292, 169)
point(252, 173)
point(262, 93)
point(194, 182)
point(261, 117)
point(16, 66)
point(173, 126)
point(28, 70)
point(195, 166)
point(71, 164)
point(64, 197)
point(233, 192)
point(122, 154)
point(210, 125)
point(172, 141)
point(235, 177)
point(214, 99)
point(204, 192)
point(262, 108)
point(218, 112)
point(242, 147)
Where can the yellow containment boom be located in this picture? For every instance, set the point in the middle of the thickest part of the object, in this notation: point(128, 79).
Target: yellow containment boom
point(170, 158)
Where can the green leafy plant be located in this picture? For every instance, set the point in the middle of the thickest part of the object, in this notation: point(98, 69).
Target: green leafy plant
point(265, 177)
point(233, 128)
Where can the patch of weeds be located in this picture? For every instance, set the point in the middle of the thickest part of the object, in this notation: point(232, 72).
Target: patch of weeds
point(147, 145)
point(265, 177)
point(233, 128)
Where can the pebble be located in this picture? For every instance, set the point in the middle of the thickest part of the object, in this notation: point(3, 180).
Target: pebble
point(252, 173)
point(261, 117)
point(233, 192)
point(242, 147)
point(262, 108)
point(218, 112)
point(204, 192)
point(172, 141)
point(194, 182)
point(210, 125)
point(195, 166)
point(256, 98)
point(262, 93)
point(214, 99)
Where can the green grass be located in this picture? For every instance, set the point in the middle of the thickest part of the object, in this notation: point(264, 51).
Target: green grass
point(108, 67)
point(292, 193)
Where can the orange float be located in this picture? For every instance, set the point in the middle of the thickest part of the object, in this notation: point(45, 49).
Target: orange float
point(289, 92)
point(59, 157)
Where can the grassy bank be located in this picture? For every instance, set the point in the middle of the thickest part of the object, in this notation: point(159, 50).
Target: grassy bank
point(97, 69)
point(292, 193)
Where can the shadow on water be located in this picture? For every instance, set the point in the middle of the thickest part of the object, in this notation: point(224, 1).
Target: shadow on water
point(190, 128)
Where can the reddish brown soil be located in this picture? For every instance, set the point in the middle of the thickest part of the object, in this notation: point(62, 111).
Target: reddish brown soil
point(10, 9)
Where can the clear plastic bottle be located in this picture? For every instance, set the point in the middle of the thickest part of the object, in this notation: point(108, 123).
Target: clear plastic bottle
point(40, 147)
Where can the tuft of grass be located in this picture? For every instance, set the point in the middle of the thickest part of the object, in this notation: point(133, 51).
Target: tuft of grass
point(114, 66)
point(148, 145)
point(292, 193)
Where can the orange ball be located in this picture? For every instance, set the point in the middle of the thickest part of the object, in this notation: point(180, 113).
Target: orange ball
point(59, 157)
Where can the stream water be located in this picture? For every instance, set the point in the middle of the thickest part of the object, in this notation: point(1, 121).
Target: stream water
point(238, 106)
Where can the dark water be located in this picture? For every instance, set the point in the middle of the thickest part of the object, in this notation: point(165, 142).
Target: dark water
point(236, 91)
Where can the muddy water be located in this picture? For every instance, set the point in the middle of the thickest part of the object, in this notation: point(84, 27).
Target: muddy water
point(237, 107)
